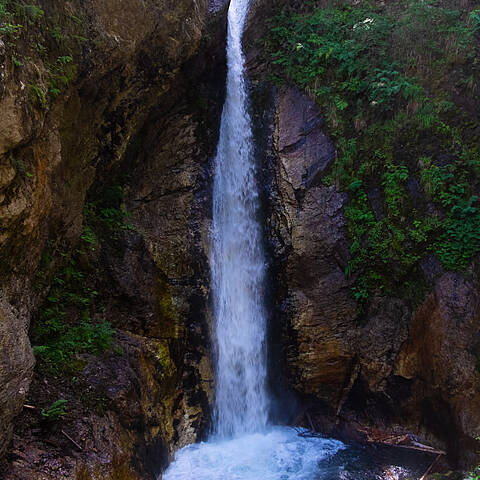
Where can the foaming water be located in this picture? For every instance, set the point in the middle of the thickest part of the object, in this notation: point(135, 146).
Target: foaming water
point(278, 453)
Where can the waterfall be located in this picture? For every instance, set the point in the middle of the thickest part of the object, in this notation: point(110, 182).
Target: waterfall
point(243, 446)
point(237, 259)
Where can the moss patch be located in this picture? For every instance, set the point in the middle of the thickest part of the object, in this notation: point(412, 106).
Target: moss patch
point(164, 358)
point(166, 310)
point(118, 470)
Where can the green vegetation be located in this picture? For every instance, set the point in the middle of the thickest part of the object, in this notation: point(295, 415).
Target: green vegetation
point(38, 96)
point(95, 400)
point(61, 74)
point(66, 326)
point(383, 75)
point(107, 214)
point(19, 165)
point(475, 475)
point(71, 321)
point(56, 410)
point(26, 28)
point(67, 323)
point(15, 17)
point(475, 18)
point(28, 14)
point(8, 27)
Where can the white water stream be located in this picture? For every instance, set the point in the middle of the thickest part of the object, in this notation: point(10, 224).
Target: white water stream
point(237, 260)
point(243, 446)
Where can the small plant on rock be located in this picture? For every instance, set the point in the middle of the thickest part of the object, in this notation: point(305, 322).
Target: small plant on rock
point(55, 411)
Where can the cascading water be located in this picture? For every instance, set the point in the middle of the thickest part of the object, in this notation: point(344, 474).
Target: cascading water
point(237, 259)
point(243, 446)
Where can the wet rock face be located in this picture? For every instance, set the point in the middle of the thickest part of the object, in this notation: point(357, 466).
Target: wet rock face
point(392, 366)
point(120, 418)
point(16, 366)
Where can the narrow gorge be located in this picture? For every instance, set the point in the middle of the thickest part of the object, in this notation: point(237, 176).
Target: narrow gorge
point(239, 240)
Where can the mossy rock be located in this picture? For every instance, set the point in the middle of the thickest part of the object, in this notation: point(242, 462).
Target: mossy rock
point(165, 359)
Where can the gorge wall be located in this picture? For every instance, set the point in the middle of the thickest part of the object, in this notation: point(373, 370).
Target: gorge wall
point(397, 368)
point(107, 108)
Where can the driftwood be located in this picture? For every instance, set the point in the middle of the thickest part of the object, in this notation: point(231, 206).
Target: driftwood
point(72, 440)
point(406, 440)
point(307, 433)
point(51, 442)
point(379, 437)
point(420, 448)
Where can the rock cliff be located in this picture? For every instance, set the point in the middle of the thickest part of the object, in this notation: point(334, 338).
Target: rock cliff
point(405, 360)
point(103, 97)
point(110, 116)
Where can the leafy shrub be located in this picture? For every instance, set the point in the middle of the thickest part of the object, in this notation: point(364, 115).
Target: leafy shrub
point(474, 475)
point(88, 235)
point(28, 13)
point(3, 8)
point(63, 341)
point(70, 321)
point(108, 213)
point(37, 95)
point(475, 18)
point(42, 37)
point(65, 326)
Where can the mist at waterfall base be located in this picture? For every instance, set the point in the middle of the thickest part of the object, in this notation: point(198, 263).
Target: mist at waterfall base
point(243, 445)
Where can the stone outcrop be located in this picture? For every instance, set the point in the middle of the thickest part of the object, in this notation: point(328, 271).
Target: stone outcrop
point(308, 223)
point(16, 365)
point(440, 360)
point(119, 421)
